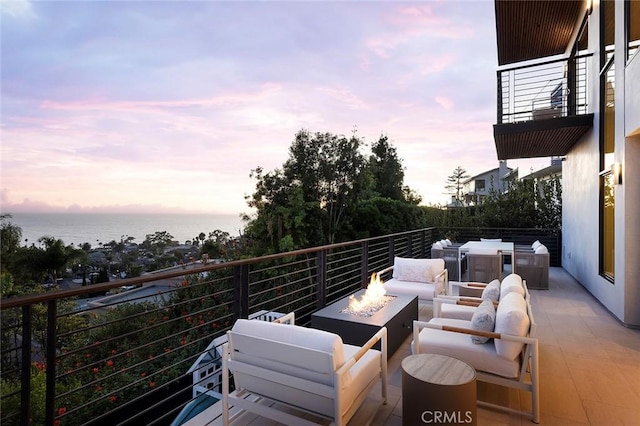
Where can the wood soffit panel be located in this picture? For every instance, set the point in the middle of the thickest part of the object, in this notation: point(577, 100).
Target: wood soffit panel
point(531, 29)
point(544, 138)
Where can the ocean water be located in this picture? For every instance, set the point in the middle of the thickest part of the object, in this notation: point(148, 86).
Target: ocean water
point(96, 228)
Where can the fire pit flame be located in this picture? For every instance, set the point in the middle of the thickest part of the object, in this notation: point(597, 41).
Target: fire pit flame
point(373, 299)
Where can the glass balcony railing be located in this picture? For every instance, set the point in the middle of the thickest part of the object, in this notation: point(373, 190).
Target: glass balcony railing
point(99, 354)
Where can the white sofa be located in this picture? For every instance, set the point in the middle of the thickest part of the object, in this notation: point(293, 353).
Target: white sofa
point(304, 369)
point(508, 358)
point(425, 278)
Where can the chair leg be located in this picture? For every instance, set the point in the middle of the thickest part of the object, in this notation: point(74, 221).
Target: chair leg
point(535, 386)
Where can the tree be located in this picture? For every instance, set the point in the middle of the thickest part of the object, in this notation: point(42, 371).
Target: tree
point(56, 256)
point(327, 167)
point(282, 214)
point(10, 238)
point(308, 199)
point(455, 183)
point(386, 169)
point(549, 203)
point(157, 241)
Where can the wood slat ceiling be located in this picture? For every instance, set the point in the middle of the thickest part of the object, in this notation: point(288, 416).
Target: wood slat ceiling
point(544, 138)
point(531, 29)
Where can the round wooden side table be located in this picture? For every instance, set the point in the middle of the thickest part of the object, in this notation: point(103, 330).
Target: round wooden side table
point(438, 390)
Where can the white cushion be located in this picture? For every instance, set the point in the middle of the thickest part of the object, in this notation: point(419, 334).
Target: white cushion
point(448, 241)
point(437, 245)
point(511, 283)
point(417, 270)
point(491, 240)
point(458, 345)
point(362, 373)
point(492, 291)
point(455, 311)
point(424, 291)
point(444, 243)
point(483, 319)
point(511, 318)
point(536, 244)
point(292, 334)
point(541, 249)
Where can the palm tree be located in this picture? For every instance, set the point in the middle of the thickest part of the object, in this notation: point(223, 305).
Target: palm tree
point(56, 256)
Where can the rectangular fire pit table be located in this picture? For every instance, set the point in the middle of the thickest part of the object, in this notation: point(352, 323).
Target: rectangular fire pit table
point(397, 315)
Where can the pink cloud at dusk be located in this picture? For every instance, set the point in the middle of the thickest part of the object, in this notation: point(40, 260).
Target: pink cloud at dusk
point(167, 106)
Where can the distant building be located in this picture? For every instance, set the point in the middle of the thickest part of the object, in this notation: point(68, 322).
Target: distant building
point(477, 187)
point(554, 170)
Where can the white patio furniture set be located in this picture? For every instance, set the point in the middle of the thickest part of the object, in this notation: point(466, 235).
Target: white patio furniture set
point(309, 371)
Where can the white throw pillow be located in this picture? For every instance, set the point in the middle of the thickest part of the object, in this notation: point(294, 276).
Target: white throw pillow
point(437, 245)
point(483, 319)
point(492, 291)
point(511, 318)
point(448, 242)
point(541, 249)
point(511, 283)
point(443, 243)
point(536, 244)
point(416, 270)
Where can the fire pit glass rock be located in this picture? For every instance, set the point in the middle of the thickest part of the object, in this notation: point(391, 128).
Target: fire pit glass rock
point(373, 299)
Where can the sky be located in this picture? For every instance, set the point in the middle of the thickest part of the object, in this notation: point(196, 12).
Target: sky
point(167, 106)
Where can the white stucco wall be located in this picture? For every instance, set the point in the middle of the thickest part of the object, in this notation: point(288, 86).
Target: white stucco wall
point(581, 205)
point(632, 96)
point(631, 190)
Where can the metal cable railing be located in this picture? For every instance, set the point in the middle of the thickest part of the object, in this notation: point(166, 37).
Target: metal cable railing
point(140, 355)
point(544, 90)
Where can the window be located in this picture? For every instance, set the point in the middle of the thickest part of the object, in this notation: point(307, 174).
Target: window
point(607, 31)
point(632, 17)
point(607, 141)
point(480, 186)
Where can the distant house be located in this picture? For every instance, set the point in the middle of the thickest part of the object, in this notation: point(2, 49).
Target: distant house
point(477, 187)
point(551, 171)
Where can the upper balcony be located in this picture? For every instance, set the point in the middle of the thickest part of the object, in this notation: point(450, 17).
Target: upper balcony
point(542, 108)
point(541, 100)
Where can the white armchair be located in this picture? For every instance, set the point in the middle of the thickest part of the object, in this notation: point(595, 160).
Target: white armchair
point(508, 358)
point(463, 307)
point(425, 278)
point(304, 369)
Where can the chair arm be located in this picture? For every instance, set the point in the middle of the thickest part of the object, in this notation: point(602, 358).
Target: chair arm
point(441, 282)
point(289, 318)
point(456, 300)
point(380, 335)
point(419, 325)
point(438, 301)
point(474, 286)
point(384, 271)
